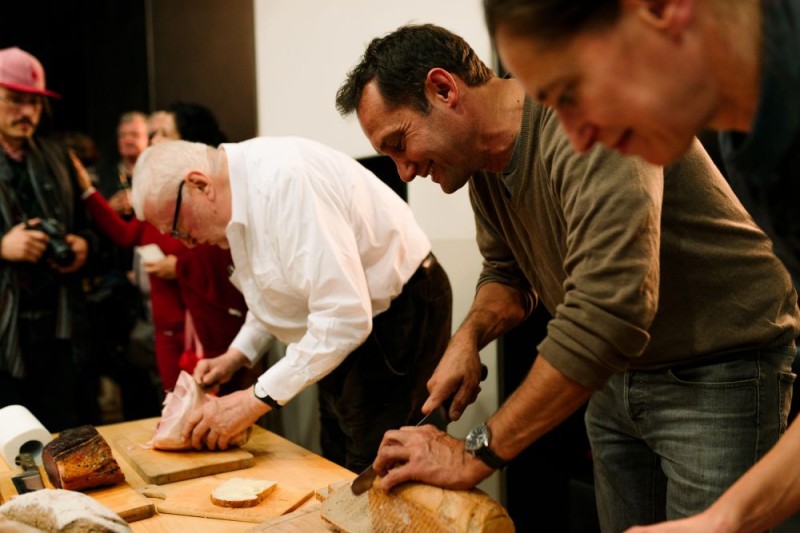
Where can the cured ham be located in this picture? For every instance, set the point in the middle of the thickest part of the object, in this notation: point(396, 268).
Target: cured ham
point(179, 405)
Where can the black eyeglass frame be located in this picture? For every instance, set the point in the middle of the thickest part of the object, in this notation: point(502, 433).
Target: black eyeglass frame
point(175, 233)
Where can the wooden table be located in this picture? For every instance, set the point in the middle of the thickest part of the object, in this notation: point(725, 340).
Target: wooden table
point(271, 452)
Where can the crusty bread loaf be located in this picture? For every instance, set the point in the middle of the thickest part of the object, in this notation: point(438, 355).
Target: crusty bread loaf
point(80, 458)
point(242, 492)
point(60, 510)
point(415, 507)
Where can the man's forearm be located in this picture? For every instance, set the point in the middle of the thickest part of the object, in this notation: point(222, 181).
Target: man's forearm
point(544, 399)
point(767, 494)
point(497, 308)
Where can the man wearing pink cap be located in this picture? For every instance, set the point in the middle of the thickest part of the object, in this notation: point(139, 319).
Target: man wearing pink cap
point(44, 243)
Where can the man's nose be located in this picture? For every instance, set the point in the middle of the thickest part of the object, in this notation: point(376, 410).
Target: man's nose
point(580, 133)
point(406, 169)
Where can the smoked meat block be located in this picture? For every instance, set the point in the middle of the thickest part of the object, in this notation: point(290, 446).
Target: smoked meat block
point(80, 458)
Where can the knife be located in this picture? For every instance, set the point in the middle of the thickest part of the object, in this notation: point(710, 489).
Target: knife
point(30, 479)
point(439, 417)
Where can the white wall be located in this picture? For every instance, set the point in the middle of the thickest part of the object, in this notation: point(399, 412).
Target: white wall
point(304, 49)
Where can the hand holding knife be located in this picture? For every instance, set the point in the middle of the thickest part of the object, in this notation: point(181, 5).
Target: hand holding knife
point(438, 417)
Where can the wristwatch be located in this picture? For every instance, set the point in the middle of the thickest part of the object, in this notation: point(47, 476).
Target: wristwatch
point(477, 443)
point(262, 395)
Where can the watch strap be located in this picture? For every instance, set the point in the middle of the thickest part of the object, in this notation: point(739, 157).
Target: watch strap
point(267, 399)
point(485, 454)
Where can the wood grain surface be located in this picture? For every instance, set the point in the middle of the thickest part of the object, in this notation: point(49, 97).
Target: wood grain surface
point(160, 467)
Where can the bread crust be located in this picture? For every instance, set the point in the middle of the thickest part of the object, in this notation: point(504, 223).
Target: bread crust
point(416, 507)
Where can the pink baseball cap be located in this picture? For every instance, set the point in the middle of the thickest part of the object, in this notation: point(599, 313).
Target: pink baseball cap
point(20, 71)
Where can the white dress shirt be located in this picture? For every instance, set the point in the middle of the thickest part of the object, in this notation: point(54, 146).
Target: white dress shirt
point(320, 246)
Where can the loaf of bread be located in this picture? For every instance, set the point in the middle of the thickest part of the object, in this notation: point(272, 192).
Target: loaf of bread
point(415, 507)
point(59, 510)
point(80, 458)
point(242, 492)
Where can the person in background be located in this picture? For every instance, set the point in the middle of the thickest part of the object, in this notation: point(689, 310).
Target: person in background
point(216, 307)
point(644, 270)
point(132, 139)
point(330, 261)
point(644, 77)
point(187, 121)
point(185, 282)
point(45, 243)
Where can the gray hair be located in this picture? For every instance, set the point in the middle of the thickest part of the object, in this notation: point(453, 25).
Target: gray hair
point(160, 168)
point(130, 116)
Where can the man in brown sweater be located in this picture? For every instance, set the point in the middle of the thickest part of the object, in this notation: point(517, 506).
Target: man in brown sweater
point(671, 314)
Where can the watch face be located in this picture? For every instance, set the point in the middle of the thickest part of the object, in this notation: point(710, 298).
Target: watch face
point(477, 438)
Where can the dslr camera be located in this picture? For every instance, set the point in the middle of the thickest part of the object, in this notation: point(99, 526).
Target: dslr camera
point(58, 250)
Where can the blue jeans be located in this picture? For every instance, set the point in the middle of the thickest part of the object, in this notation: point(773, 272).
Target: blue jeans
point(667, 443)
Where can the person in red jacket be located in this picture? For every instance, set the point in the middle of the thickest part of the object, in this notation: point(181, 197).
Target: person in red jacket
point(187, 280)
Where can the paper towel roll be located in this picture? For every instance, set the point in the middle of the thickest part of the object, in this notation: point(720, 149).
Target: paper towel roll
point(20, 432)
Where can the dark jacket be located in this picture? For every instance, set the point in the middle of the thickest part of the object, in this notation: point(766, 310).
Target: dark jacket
point(57, 195)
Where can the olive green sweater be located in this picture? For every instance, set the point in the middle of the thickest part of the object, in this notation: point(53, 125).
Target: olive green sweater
point(641, 267)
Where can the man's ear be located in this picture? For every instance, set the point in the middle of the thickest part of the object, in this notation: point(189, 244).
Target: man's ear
point(671, 16)
point(202, 182)
point(441, 86)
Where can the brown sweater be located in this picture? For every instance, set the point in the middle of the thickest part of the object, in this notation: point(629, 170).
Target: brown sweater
point(641, 266)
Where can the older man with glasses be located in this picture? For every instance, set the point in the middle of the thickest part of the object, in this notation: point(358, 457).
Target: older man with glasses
point(45, 241)
point(330, 261)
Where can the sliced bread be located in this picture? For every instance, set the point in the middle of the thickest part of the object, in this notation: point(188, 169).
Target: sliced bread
point(242, 492)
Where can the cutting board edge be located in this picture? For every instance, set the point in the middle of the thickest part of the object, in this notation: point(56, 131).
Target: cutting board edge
point(124, 445)
point(201, 471)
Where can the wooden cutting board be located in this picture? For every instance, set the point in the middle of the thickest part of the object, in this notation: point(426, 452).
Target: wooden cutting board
point(160, 467)
point(305, 520)
point(193, 498)
point(120, 498)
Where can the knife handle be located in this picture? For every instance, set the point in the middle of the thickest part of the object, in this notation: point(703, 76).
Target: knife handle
point(445, 406)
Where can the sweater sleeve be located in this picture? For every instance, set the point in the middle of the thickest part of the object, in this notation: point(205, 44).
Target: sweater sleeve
point(611, 208)
point(123, 232)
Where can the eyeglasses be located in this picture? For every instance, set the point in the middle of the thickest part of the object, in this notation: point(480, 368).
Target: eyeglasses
point(175, 233)
point(21, 101)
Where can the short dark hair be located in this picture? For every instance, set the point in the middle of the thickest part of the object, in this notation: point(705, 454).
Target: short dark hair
point(400, 63)
point(549, 21)
point(196, 123)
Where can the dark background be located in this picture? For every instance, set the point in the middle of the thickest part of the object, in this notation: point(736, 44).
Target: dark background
point(109, 57)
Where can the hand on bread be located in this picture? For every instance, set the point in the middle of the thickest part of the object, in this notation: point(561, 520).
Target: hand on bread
point(224, 418)
point(457, 376)
point(426, 454)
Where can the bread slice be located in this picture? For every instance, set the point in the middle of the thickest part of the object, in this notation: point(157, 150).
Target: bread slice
point(242, 492)
point(415, 507)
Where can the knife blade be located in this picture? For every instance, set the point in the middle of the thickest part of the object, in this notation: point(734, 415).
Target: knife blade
point(439, 417)
point(30, 479)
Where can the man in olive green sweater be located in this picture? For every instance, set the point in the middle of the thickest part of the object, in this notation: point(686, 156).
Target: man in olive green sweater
point(671, 314)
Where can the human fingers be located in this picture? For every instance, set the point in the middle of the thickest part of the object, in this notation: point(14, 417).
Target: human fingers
point(211, 439)
point(202, 368)
point(191, 423)
point(392, 451)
